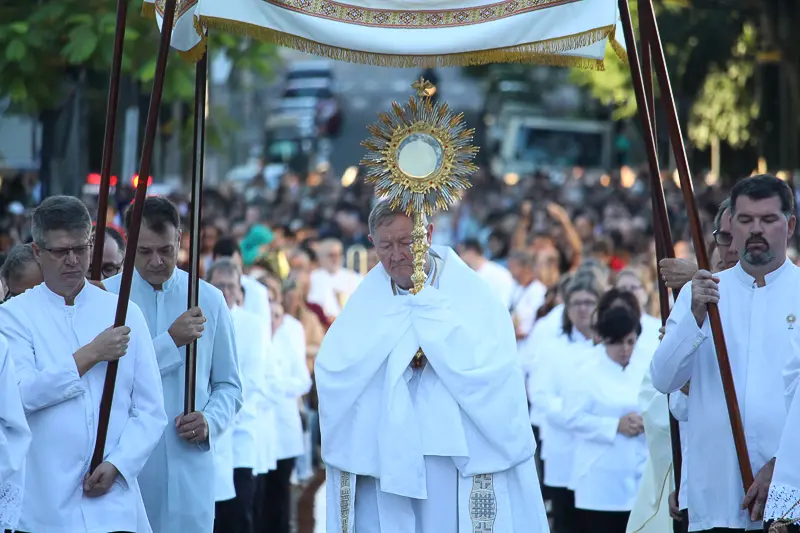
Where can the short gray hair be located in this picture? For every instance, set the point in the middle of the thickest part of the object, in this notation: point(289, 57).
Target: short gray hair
point(65, 213)
point(383, 213)
point(224, 265)
point(724, 206)
point(19, 257)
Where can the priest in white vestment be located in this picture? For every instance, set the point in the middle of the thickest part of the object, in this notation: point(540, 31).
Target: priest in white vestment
point(15, 437)
point(758, 303)
point(178, 480)
point(60, 337)
point(238, 453)
point(443, 446)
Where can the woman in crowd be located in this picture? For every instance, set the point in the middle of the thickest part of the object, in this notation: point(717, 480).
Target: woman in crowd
point(603, 416)
point(548, 385)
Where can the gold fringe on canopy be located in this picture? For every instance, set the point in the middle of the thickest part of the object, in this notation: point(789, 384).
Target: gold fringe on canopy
point(195, 54)
point(548, 52)
point(619, 50)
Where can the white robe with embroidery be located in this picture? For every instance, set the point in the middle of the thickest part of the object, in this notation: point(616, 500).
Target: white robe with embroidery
point(445, 449)
point(15, 437)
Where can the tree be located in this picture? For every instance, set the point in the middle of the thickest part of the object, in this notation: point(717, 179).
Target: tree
point(56, 53)
point(726, 106)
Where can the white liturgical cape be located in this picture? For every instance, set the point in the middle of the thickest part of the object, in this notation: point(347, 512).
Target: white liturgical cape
point(760, 330)
point(62, 408)
point(15, 437)
point(178, 480)
point(447, 448)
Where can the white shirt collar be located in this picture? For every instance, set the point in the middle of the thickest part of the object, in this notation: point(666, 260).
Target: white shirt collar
point(57, 299)
point(750, 281)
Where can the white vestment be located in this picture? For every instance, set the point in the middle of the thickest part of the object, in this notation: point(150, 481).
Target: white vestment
point(499, 279)
point(63, 407)
point(548, 386)
point(178, 480)
point(15, 437)
point(759, 327)
point(445, 449)
point(608, 465)
point(295, 381)
point(331, 291)
point(784, 491)
point(256, 300)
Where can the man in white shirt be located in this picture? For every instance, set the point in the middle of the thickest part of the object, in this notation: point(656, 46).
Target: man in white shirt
point(259, 392)
point(289, 345)
point(61, 338)
point(178, 480)
point(256, 296)
point(332, 283)
point(438, 444)
point(528, 294)
point(498, 277)
point(758, 303)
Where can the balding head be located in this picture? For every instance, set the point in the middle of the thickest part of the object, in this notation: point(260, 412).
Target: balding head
point(331, 255)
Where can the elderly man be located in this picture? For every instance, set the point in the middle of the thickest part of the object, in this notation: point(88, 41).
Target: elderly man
point(60, 339)
point(178, 480)
point(21, 270)
point(440, 443)
point(256, 296)
point(757, 304)
point(244, 444)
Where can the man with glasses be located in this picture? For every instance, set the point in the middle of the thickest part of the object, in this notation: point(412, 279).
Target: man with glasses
point(61, 336)
point(113, 252)
point(679, 272)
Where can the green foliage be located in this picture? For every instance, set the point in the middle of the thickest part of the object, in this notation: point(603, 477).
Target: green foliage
point(726, 106)
point(44, 44)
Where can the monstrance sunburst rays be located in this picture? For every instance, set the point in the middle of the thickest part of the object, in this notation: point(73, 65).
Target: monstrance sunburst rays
point(420, 117)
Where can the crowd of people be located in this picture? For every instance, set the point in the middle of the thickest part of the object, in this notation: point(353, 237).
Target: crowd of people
point(291, 309)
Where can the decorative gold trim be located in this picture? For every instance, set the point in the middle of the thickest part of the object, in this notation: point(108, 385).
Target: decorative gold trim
point(548, 52)
point(181, 8)
point(416, 19)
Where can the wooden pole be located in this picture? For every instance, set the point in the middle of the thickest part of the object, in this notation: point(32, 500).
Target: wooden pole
point(676, 140)
point(664, 246)
point(108, 141)
point(645, 104)
point(136, 220)
point(200, 83)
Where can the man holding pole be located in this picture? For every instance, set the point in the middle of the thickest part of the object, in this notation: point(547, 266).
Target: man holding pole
point(178, 480)
point(758, 303)
point(60, 340)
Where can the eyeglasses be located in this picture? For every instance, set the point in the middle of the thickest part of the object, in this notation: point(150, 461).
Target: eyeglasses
point(110, 269)
point(722, 238)
point(62, 253)
point(582, 303)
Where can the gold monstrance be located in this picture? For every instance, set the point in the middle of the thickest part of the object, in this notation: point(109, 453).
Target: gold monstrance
point(420, 156)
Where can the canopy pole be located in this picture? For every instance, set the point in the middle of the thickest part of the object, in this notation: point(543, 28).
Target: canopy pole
point(200, 94)
point(678, 148)
point(108, 141)
point(133, 231)
point(643, 88)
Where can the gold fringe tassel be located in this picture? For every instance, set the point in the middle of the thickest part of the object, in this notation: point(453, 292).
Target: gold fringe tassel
point(548, 52)
point(619, 50)
point(196, 53)
point(148, 10)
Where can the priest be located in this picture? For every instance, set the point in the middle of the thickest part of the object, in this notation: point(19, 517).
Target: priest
point(61, 338)
point(758, 303)
point(436, 443)
point(178, 480)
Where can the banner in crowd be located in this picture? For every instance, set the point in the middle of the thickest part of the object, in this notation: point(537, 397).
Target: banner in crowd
point(411, 33)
